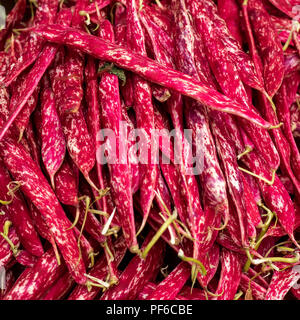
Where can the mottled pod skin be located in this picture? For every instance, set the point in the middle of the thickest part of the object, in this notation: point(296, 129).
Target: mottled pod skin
point(119, 172)
point(209, 66)
point(46, 13)
point(167, 77)
point(34, 76)
point(145, 270)
point(12, 19)
point(285, 6)
point(99, 271)
point(258, 292)
point(35, 187)
point(32, 283)
point(60, 288)
point(275, 196)
point(268, 45)
point(229, 11)
point(53, 140)
point(230, 277)
point(243, 63)
point(19, 215)
point(172, 284)
point(282, 281)
point(143, 108)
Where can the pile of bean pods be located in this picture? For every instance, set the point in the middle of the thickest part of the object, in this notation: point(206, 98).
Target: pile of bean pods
point(213, 215)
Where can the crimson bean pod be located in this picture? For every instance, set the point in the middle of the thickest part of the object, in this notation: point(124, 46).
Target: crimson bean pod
point(144, 112)
point(285, 6)
point(35, 187)
point(99, 271)
point(46, 13)
point(33, 77)
point(60, 288)
point(234, 179)
point(193, 294)
point(19, 216)
point(146, 291)
point(15, 15)
point(33, 144)
point(145, 269)
point(281, 101)
point(172, 284)
point(9, 281)
point(225, 240)
point(53, 140)
point(257, 292)
point(281, 282)
point(6, 252)
point(65, 182)
point(274, 195)
point(282, 145)
point(167, 77)
point(119, 171)
point(23, 118)
point(229, 11)
point(211, 264)
point(268, 45)
point(230, 277)
point(93, 117)
point(25, 258)
point(253, 215)
point(33, 281)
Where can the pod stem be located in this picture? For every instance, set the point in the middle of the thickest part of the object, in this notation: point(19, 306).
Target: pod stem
point(173, 239)
point(246, 151)
point(12, 187)
point(4, 234)
point(269, 182)
point(263, 231)
point(271, 101)
point(285, 249)
point(194, 273)
point(192, 260)
point(100, 212)
point(288, 41)
point(159, 4)
point(96, 282)
point(54, 246)
point(106, 248)
point(88, 18)
point(238, 295)
point(92, 258)
point(277, 259)
point(77, 215)
point(158, 234)
point(276, 126)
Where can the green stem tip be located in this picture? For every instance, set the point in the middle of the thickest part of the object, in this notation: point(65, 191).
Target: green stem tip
point(192, 260)
point(158, 234)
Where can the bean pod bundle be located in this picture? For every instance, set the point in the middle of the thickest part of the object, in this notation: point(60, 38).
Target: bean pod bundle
point(83, 218)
